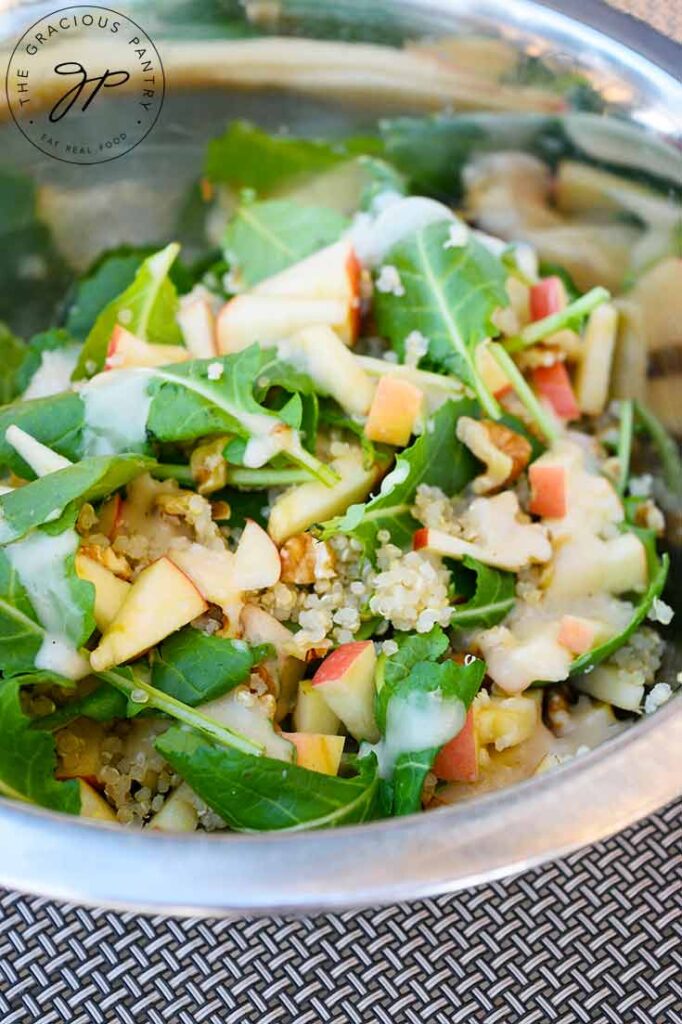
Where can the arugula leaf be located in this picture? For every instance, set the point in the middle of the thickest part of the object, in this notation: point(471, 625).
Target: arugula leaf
point(432, 151)
point(658, 574)
point(55, 421)
point(147, 308)
point(450, 296)
point(195, 668)
point(436, 458)
point(415, 689)
point(665, 445)
point(571, 316)
point(101, 705)
point(265, 237)
point(259, 794)
point(247, 157)
point(45, 499)
point(42, 597)
point(28, 758)
point(493, 598)
point(53, 340)
point(12, 355)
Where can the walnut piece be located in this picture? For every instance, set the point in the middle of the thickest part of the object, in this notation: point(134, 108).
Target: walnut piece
point(305, 560)
point(504, 452)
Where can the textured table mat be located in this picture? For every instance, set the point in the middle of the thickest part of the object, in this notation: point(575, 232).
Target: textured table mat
point(595, 938)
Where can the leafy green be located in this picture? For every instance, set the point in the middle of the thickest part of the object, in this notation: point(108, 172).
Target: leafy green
point(28, 758)
point(665, 445)
point(432, 151)
point(147, 308)
point(258, 794)
point(265, 237)
point(53, 340)
point(46, 498)
point(247, 157)
point(450, 295)
point(407, 682)
point(194, 667)
point(571, 316)
point(492, 600)
point(52, 602)
point(12, 355)
point(101, 705)
point(436, 458)
point(56, 421)
point(658, 574)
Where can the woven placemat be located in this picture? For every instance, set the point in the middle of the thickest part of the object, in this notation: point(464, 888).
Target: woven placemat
point(595, 937)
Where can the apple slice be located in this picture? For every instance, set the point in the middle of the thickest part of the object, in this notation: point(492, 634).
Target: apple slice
point(83, 759)
point(547, 297)
point(250, 318)
point(198, 326)
point(553, 384)
point(256, 562)
point(178, 814)
point(251, 719)
point(302, 506)
point(548, 489)
point(457, 761)
point(312, 713)
point(110, 591)
point(577, 634)
point(319, 352)
point(93, 804)
point(492, 374)
point(213, 574)
point(125, 350)
point(317, 752)
point(39, 457)
point(260, 627)
point(345, 680)
point(161, 600)
point(395, 412)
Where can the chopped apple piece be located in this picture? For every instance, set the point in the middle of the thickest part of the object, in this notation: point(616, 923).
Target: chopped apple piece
point(553, 384)
point(197, 323)
point(547, 297)
point(111, 516)
point(256, 562)
point(457, 761)
point(589, 565)
point(251, 318)
point(93, 804)
point(395, 412)
point(490, 371)
point(316, 752)
point(594, 371)
point(319, 352)
point(126, 350)
point(330, 273)
point(577, 634)
point(178, 814)
point(213, 573)
point(161, 600)
point(548, 490)
point(81, 759)
point(506, 721)
point(39, 457)
point(302, 506)
point(345, 680)
point(617, 686)
point(286, 670)
point(243, 712)
point(312, 713)
point(110, 591)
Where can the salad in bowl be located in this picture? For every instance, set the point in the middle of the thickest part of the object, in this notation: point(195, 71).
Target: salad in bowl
point(336, 513)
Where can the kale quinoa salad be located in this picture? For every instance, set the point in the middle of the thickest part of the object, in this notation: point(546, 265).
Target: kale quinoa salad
point(341, 512)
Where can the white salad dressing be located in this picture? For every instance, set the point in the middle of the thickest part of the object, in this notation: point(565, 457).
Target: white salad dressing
point(116, 411)
point(265, 441)
point(38, 561)
point(54, 373)
point(418, 721)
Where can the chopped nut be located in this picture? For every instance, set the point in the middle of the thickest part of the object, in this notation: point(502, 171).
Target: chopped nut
point(87, 518)
point(107, 557)
point(208, 465)
point(650, 517)
point(305, 560)
point(504, 452)
point(221, 511)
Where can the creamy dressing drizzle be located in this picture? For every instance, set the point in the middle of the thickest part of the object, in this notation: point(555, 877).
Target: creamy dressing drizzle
point(54, 373)
point(39, 561)
point(116, 411)
point(418, 721)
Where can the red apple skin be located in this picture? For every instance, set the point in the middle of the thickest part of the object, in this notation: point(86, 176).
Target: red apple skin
point(354, 270)
point(420, 538)
point(458, 760)
point(547, 297)
point(548, 490)
point(576, 634)
point(111, 516)
point(395, 410)
point(336, 664)
point(554, 385)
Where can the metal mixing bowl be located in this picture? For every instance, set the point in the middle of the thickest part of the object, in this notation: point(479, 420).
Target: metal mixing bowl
point(285, 75)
